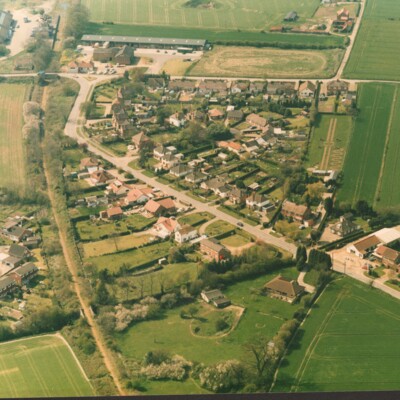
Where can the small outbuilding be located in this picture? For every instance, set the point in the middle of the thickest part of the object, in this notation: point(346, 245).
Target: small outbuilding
point(215, 297)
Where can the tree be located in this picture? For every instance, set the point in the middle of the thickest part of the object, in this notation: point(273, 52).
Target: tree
point(328, 205)
point(260, 355)
point(102, 296)
point(218, 132)
point(301, 255)
point(77, 21)
point(193, 310)
point(175, 255)
point(221, 325)
point(69, 43)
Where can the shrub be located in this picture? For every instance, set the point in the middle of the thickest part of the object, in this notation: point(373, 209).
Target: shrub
point(175, 368)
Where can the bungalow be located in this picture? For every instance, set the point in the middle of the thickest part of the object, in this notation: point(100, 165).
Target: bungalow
point(239, 87)
point(19, 251)
point(257, 201)
point(180, 84)
point(186, 233)
point(180, 170)
point(213, 87)
point(178, 120)
point(23, 274)
point(218, 186)
point(135, 196)
point(112, 213)
point(389, 257)
point(364, 247)
point(299, 213)
point(256, 87)
point(18, 234)
point(195, 177)
point(306, 89)
point(231, 146)
point(12, 262)
point(344, 227)
point(88, 162)
point(160, 207)
point(337, 87)
point(165, 227)
point(251, 146)
point(259, 122)
point(281, 87)
point(84, 67)
point(213, 250)
point(99, 178)
point(237, 196)
point(117, 189)
point(234, 116)
point(284, 289)
point(215, 297)
point(161, 151)
point(139, 140)
point(215, 114)
point(7, 285)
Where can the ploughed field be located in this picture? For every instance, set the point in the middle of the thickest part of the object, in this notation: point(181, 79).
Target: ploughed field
point(41, 366)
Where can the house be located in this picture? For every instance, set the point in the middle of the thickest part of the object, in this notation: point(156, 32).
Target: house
point(165, 227)
point(84, 67)
point(179, 84)
point(6, 26)
point(160, 207)
point(121, 55)
point(139, 140)
point(73, 67)
point(124, 56)
point(343, 15)
point(99, 178)
point(180, 170)
point(306, 90)
point(213, 250)
point(291, 16)
point(156, 83)
point(195, 177)
point(88, 162)
point(259, 122)
point(344, 227)
point(234, 147)
point(251, 146)
point(32, 242)
point(178, 120)
point(237, 196)
point(23, 274)
point(218, 186)
point(364, 247)
point(18, 234)
point(117, 188)
point(169, 161)
point(7, 285)
point(299, 213)
point(256, 87)
point(213, 87)
point(215, 114)
point(257, 201)
point(216, 298)
point(281, 88)
point(12, 262)
point(234, 116)
point(135, 196)
point(161, 151)
point(389, 257)
point(112, 213)
point(284, 289)
point(337, 87)
point(239, 87)
point(19, 251)
point(186, 233)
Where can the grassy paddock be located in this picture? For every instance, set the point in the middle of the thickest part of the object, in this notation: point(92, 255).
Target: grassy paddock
point(268, 63)
point(338, 348)
point(41, 366)
point(12, 160)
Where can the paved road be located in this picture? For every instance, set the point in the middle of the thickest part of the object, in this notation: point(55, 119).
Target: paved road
point(300, 279)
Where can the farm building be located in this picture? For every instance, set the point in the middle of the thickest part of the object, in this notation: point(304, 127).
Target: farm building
point(364, 247)
point(145, 42)
point(216, 297)
point(284, 289)
point(388, 257)
point(6, 26)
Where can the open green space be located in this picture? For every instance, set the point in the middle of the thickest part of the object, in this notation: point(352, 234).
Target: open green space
point(218, 35)
point(12, 151)
point(223, 14)
point(375, 54)
point(196, 219)
point(219, 227)
point(349, 341)
point(371, 166)
point(329, 141)
point(132, 258)
point(41, 366)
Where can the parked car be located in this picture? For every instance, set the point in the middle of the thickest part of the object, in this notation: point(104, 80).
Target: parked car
point(240, 224)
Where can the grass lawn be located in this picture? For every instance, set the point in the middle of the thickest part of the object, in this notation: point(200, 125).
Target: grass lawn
point(95, 230)
point(329, 142)
point(41, 366)
point(176, 67)
point(12, 160)
point(236, 240)
point(195, 219)
point(311, 277)
point(218, 228)
point(350, 341)
point(267, 63)
point(372, 162)
point(375, 54)
point(114, 245)
point(132, 258)
point(263, 315)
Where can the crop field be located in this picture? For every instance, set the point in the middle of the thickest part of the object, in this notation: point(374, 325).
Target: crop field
point(372, 163)
point(263, 315)
point(267, 63)
point(329, 142)
point(224, 14)
point(41, 366)
point(12, 160)
point(375, 54)
point(339, 348)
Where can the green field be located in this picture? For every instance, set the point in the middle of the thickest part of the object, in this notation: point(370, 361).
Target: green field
point(329, 141)
point(41, 366)
point(12, 160)
point(226, 14)
point(221, 35)
point(372, 163)
point(263, 315)
point(350, 341)
point(375, 54)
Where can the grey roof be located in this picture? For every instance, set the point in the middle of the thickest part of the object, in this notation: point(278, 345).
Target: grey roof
point(17, 251)
point(6, 282)
point(143, 40)
point(27, 268)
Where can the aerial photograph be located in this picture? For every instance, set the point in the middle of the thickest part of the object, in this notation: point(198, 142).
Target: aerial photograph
point(199, 197)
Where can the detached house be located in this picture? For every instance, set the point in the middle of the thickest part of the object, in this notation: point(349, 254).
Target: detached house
point(135, 196)
point(388, 257)
point(234, 116)
point(213, 250)
point(257, 201)
point(306, 90)
point(178, 120)
point(259, 122)
point(284, 289)
point(112, 213)
point(160, 207)
point(180, 170)
point(185, 234)
point(165, 227)
point(195, 177)
point(237, 196)
point(337, 87)
point(216, 298)
point(299, 213)
point(215, 114)
point(99, 178)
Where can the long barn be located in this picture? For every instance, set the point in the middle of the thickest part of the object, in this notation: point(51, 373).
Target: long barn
point(145, 42)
